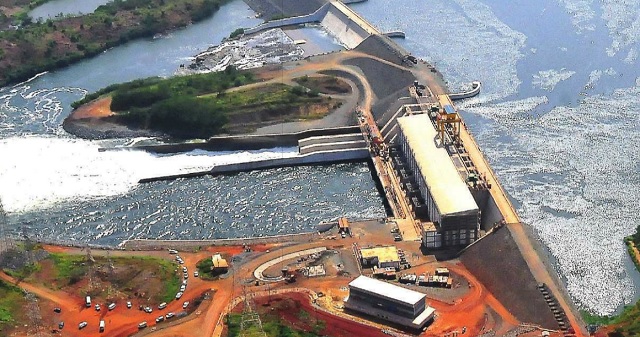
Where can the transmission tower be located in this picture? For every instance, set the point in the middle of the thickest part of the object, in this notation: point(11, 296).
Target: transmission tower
point(250, 323)
point(33, 312)
point(5, 242)
point(90, 269)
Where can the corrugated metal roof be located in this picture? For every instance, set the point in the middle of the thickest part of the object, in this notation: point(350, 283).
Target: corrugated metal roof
point(449, 191)
point(388, 290)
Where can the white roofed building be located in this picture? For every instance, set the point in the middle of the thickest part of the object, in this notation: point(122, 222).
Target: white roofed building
point(390, 302)
point(450, 205)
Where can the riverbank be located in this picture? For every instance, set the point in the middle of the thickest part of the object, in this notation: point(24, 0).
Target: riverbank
point(37, 47)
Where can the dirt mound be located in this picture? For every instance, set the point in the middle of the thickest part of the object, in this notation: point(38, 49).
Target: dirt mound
point(497, 262)
point(298, 312)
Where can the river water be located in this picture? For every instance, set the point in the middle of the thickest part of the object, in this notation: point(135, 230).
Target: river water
point(57, 187)
point(557, 119)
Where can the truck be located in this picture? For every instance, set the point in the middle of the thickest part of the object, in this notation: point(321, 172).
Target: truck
point(87, 301)
point(101, 326)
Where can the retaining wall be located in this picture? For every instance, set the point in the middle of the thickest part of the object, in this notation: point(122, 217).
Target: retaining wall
point(341, 145)
point(320, 157)
point(329, 139)
point(243, 142)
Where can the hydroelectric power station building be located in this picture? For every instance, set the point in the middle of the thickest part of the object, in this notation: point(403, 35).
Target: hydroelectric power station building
point(449, 203)
point(389, 302)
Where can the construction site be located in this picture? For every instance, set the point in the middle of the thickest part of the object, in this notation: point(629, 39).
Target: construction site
point(451, 258)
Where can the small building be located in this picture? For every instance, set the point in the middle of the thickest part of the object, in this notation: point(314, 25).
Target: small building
point(219, 264)
point(442, 271)
point(381, 257)
point(389, 302)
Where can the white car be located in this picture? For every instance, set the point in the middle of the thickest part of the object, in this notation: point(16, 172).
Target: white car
point(184, 269)
point(82, 325)
point(184, 282)
point(162, 305)
point(173, 251)
point(185, 304)
point(129, 304)
point(169, 315)
point(196, 274)
point(178, 295)
point(183, 287)
point(148, 310)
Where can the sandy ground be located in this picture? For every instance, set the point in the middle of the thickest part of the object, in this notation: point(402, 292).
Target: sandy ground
point(96, 109)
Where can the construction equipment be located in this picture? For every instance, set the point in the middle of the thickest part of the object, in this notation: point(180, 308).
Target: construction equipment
point(447, 115)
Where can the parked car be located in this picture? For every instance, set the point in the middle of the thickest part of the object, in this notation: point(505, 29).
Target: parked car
point(183, 287)
point(178, 295)
point(82, 325)
point(173, 251)
point(162, 305)
point(111, 306)
point(169, 315)
point(56, 309)
point(97, 307)
point(60, 325)
point(185, 275)
point(159, 319)
point(148, 310)
point(184, 269)
point(196, 274)
point(185, 304)
point(128, 304)
point(142, 325)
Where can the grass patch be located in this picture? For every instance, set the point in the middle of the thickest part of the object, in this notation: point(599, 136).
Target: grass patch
point(69, 269)
point(11, 301)
point(272, 327)
point(24, 272)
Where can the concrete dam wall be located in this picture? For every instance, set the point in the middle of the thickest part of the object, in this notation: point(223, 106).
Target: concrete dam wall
point(338, 19)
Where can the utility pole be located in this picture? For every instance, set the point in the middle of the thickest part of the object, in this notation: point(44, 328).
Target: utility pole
point(250, 318)
point(33, 312)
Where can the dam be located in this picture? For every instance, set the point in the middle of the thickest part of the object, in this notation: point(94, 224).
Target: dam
point(425, 207)
point(381, 138)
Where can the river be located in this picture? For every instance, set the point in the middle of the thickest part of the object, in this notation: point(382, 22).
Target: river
point(557, 119)
point(57, 187)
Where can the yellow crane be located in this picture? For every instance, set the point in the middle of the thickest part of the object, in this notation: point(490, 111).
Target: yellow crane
point(447, 115)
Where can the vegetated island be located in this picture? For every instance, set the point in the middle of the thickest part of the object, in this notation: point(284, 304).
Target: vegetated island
point(202, 105)
point(627, 323)
point(33, 47)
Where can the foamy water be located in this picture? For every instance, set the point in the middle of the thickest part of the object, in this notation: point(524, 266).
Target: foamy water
point(42, 171)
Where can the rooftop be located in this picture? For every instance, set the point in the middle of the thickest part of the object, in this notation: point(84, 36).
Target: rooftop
point(450, 193)
point(219, 262)
point(387, 290)
point(384, 254)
